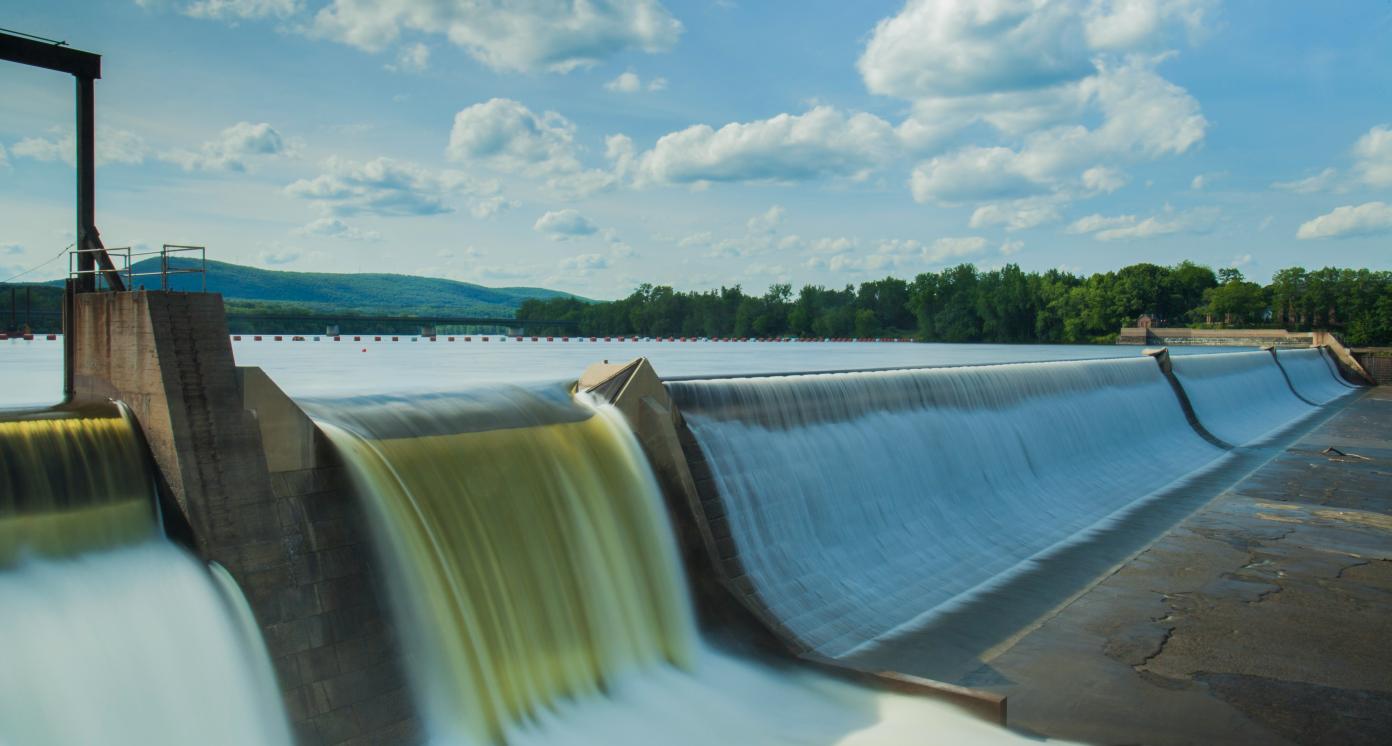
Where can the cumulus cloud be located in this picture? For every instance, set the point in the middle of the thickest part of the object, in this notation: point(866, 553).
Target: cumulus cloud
point(1070, 89)
point(1367, 219)
point(385, 186)
point(506, 136)
point(630, 82)
point(1310, 184)
point(822, 142)
point(563, 224)
point(279, 255)
point(954, 248)
point(113, 146)
point(1016, 215)
point(1373, 154)
point(767, 221)
point(1132, 227)
point(233, 150)
point(334, 228)
point(553, 35)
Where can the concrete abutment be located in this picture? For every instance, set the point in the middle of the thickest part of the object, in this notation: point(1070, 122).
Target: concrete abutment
point(261, 493)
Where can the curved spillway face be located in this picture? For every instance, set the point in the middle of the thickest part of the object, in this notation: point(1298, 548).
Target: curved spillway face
point(1242, 397)
point(108, 632)
point(864, 505)
point(71, 482)
point(537, 586)
point(1312, 376)
point(135, 646)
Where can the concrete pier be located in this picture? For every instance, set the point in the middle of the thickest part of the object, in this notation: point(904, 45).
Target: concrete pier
point(256, 488)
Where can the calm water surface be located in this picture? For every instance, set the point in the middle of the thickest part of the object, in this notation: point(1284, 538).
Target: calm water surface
point(31, 372)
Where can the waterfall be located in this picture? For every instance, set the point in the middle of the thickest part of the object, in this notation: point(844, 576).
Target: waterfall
point(868, 504)
point(1312, 375)
point(1241, 397)
point(537, 585)
point(111, 634)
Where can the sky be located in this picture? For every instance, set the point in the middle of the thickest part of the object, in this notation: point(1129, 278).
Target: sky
point(589, 146)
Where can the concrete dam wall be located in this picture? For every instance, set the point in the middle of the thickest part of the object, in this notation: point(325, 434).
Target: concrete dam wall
point(534, 565)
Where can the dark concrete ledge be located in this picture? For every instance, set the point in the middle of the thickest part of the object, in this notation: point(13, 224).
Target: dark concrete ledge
point(1263, 618)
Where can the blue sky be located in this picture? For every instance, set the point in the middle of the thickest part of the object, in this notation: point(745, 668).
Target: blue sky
point(593, 146)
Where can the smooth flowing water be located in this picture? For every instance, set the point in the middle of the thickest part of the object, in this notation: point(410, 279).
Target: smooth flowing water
point(1241, 397)
point(1312, 374)
point(31, 372)
point(864, 504)
point(109, 633)
point(539, 591)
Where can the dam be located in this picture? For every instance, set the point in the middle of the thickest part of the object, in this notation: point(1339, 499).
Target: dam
point(855, 557)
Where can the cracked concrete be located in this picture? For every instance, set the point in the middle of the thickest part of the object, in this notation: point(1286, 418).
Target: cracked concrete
point(1263, 618)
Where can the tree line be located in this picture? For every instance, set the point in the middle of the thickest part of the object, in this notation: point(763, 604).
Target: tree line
point(965, 304)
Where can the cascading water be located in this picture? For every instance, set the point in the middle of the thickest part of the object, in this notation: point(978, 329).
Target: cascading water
point(867, 504)
point(111, 634)
point(1241, 397)
point(1312, 375)
point(537, 585)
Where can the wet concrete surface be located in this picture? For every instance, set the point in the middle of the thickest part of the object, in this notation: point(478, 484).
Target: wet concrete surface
point(1263, 618)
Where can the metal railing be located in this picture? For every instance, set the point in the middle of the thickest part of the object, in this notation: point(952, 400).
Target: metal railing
point(125, 261)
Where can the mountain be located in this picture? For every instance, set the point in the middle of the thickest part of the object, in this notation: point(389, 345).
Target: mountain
point(387, 294)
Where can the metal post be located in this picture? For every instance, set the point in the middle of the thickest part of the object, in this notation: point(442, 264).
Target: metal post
point(69, 343)
point(86, 184)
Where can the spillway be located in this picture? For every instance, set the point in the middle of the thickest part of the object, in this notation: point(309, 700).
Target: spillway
point(1313, 375)
point(1242, 397)
point(111, 634)
point(864, 505)
point(538, 588)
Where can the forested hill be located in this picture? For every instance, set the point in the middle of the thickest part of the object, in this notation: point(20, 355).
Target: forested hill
point(387, 294)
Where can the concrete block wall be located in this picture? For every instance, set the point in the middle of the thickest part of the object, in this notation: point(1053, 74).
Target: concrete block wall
point(261, 494)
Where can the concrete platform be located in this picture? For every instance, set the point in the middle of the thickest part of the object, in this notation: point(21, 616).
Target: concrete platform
point(1264, 618)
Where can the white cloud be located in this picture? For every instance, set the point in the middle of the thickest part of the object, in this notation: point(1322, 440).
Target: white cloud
point(412, 58)
point(1103, 179)
point(384, 186)
point(507, 136)
point(822, 142)
point(241, 10)
point(1198, 182)
point(630, 82)
point(1131, 227)
point(954, 248)
point(1010, 248)
point(1370, 218)
point(11, 249)
point(1373, 152)
point(1142, 115)
point(1310, 184)
point(335, 228)
point(113, 146)
point(1016, 215)
point(234, 149)
point(563, 224)
point(627, 82)
point(554, 35)
point(1069, 87)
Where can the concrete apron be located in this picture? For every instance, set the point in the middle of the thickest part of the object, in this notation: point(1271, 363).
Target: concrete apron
point(1263, 618)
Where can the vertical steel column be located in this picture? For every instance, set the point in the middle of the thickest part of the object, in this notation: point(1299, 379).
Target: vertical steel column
point(86, 184)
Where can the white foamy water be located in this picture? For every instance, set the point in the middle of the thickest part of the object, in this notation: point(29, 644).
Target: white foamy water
point(864, 504)
point(135, 646)
point(540, 592)
point(1312, 374)
point(1241, 397)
